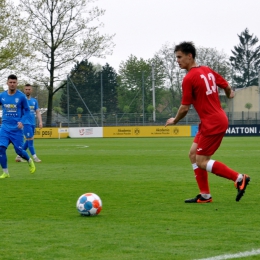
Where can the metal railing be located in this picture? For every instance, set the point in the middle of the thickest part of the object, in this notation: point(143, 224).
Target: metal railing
point(136, 119)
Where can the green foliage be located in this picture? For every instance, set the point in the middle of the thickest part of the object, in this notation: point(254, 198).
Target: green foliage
point(142, 183)
point(88, 83)
point(57, 110)
point(135, 78)
point(79, 110)
point(223, 105)
point(110, 83)
point(246, 60)
point(62, 32)
point(56, 97)
point(150, 108)
point(174, 110)
point(248, 105)
point(42, 96)
point(14, 43)
point(126, 109)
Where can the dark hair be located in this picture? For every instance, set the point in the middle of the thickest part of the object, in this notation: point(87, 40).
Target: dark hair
point(186, 47)
point(12, 76)
point(28, 85)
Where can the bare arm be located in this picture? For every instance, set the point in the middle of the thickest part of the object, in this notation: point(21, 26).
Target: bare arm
point(39, 116)
point(182, 112)
point(229, 92)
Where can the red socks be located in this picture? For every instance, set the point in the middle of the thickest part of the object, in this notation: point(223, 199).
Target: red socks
point(215, 167)
point(202, 180)
point(222, 170)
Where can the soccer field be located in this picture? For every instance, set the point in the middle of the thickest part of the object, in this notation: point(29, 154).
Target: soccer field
point(143, 183)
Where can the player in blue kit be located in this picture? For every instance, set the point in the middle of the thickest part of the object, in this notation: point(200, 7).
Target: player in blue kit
point(15, 112)
point(30, 124)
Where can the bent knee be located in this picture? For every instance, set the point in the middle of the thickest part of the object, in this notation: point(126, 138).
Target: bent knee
point(192, 155)
point(202, 163)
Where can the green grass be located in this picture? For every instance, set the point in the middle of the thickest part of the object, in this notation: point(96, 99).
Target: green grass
point(142, 183)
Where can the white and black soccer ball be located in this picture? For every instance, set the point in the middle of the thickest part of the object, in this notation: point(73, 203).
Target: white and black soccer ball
point(89, 204)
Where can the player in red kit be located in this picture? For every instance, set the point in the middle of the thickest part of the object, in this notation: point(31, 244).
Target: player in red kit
point(200, 89)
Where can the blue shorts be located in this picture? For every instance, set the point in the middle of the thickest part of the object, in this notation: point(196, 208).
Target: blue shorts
point(14, 137)
point(28, 131)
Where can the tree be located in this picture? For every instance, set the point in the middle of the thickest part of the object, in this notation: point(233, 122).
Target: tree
point(214, 59)
point(84, 77)
point(79, 112)
point(126, 109)
point(223, 105)
point(57, 110)
point(134, 80)
point(175, 110)
point(63, 32)
point(13, 38)
point(87, 80)
point(109, 82)
point(246, 60)
point(173, 75)
point(248, 106)
point(41, 94)
point(218, 61)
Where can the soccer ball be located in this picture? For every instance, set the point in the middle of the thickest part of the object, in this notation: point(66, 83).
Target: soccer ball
point(89, 204)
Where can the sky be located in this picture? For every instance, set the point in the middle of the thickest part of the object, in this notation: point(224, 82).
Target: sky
point(142, 27)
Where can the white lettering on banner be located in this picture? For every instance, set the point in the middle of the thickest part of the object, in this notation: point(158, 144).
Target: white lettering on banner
point(63, 130)
point(241, 130)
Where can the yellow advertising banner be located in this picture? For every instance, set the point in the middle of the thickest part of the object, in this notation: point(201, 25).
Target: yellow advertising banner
point(147, 131)
point(50, 133)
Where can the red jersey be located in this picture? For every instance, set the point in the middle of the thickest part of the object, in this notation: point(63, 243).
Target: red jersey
point(200, 88)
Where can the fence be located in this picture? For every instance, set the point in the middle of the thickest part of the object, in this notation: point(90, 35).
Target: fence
point(137, 119)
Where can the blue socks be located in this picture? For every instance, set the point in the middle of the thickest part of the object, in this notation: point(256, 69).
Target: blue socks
point(29, 144)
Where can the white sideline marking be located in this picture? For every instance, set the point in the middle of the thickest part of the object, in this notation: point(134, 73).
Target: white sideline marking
point(238, 255)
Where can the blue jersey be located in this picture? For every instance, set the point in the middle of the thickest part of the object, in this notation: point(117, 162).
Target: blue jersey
point(15, 109)
point(33, 104)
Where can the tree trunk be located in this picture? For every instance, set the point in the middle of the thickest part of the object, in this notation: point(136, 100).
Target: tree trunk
point(49, 110)
point(50, 91)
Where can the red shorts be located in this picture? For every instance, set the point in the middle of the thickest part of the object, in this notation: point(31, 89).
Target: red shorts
point(207, 145)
